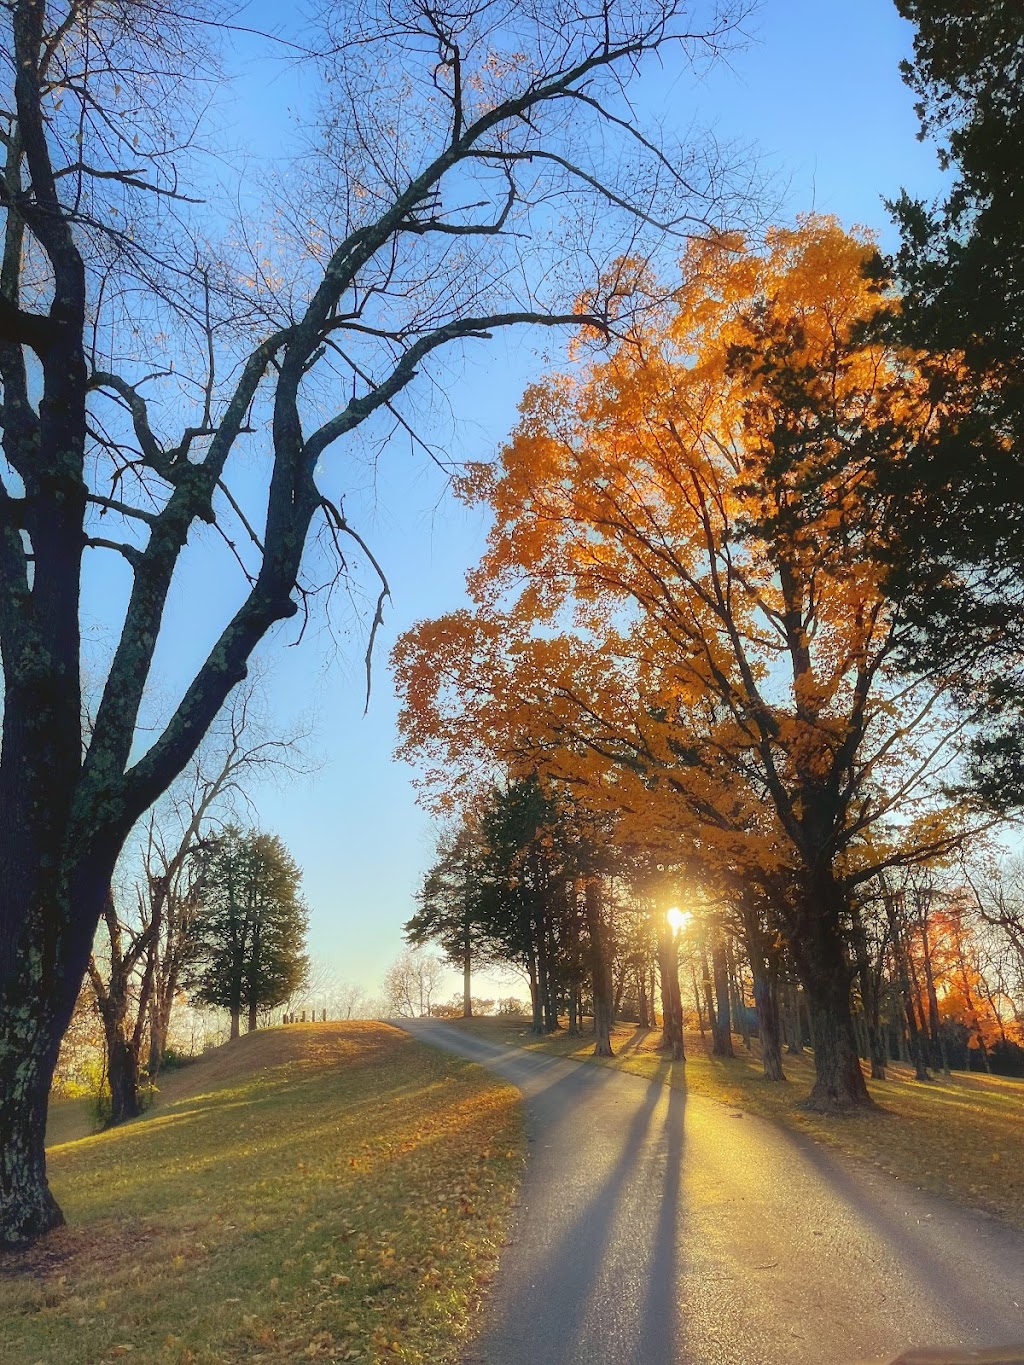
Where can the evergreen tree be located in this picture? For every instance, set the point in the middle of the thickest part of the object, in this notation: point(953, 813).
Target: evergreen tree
point(960, 540)
point(449, 902)
point(250, 926)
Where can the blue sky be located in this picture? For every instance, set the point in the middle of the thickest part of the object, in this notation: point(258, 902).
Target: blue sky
point(818, 92)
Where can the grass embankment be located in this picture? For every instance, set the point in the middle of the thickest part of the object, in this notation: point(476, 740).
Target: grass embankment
point(329, 1192)
point(962, 1136)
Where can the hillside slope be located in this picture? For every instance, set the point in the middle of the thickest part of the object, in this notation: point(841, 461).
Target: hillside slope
point(332, 1192)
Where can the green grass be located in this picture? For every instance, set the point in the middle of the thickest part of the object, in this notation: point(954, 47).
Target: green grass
point(961, 1136)
point(328, 1192)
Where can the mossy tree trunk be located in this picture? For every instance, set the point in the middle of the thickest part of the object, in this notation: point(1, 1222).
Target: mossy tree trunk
point(42, 975)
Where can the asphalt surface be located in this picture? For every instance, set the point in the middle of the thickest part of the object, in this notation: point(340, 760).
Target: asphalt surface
point(657, 1228)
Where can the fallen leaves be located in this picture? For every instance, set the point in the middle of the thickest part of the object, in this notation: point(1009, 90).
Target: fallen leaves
point(363, 1226)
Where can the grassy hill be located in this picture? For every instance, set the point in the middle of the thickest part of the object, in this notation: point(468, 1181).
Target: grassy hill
point(321, 1192)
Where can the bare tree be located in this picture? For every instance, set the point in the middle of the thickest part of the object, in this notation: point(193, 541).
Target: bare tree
point(410, 983)
point(136, 969)
point(216, 784)
point(136, 369)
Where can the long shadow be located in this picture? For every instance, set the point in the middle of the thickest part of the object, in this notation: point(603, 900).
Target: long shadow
point(929, 1255)
point(602, 1289)
point(634, 1041)
point(951, 1284)
point(658, 1340)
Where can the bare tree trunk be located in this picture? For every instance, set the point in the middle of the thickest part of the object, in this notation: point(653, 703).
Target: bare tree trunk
point(820, 958)
point(537, 1009)
point(696, 996)
point(123, 1077)
point(904, 971)
point(600, 969)
point(643, 1016)
point(795, 1026)
point(708, 987)
point(940, 1057)
point(27, 1060)
point(38, 989)
point(672, 1007)
point(721, 1023)
point(766, 1003)
point(869, 994)
point(157, 1036)
point(736, 1001)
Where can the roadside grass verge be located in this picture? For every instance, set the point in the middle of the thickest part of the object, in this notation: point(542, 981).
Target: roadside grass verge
point(329, 1192)
point(961, 1136)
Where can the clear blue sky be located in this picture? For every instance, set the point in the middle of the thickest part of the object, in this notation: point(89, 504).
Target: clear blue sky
point(818, 91)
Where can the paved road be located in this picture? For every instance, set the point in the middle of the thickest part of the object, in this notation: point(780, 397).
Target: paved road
point(658, 1228)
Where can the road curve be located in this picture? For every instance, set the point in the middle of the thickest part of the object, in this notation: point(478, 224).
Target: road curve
point(657, 1228)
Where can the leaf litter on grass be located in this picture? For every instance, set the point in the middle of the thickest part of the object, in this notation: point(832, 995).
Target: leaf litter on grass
point(329, 1192)
point(961, 1136)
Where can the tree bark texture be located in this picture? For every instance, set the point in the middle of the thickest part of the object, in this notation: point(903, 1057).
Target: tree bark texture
point(821, 960)
point(43, 973)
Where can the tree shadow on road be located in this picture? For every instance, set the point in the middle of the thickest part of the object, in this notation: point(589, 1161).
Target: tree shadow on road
point(604, 1288)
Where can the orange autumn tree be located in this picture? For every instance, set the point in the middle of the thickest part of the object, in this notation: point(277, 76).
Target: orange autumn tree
point(681, 606)
point(967, 996)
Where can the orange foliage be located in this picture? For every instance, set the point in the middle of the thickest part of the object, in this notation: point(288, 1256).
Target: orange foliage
point(680, 608)
point(963, 993)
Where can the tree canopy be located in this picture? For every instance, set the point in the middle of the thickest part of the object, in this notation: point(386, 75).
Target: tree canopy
point(957, 563)
point(681, 609)
point(249, 931)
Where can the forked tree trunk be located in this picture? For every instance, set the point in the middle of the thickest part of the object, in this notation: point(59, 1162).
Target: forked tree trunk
point(122, 1057)
point(123, 1078)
